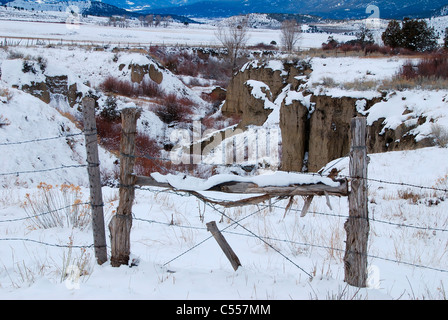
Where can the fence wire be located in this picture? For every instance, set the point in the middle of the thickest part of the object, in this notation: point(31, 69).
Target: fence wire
point(264, 239)
point(234, 222)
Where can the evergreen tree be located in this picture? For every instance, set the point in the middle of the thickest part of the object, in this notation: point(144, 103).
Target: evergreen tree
point(414, 35)
point(417, 36)
point(392, 36)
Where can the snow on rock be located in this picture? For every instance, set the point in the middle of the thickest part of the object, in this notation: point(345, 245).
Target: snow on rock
point(407, 106)
point(261, 90)
point(134, 58)
point(12, 72)
point(170, 84)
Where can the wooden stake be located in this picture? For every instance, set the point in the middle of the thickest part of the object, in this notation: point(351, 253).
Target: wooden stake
point(93, 169)
point(357, 225)
point(306, 205)
point(121, 223)
point(230, 254)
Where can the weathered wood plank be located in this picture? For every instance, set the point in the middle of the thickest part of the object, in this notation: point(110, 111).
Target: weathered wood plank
point(121, 223)
point(252, 188)
point(222, 242)
point(306, 205)
point(93, 169)
point(357, 225)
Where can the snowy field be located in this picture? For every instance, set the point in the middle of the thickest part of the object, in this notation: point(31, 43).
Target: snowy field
point(284, 256)
point(54, 28)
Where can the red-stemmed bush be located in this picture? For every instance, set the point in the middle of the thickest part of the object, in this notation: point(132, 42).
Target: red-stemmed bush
point(109, 133)
point(432, 66)
point(174, 109)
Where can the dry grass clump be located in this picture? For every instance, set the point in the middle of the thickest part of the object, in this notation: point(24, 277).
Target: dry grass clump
point(57, 206)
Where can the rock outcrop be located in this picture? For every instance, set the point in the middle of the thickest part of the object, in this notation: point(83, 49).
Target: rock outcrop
point(315, 124)
point(241, 99)
point(329, 136)
point(41, 83)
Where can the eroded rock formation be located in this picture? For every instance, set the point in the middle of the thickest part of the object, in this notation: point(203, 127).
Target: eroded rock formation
point(315, 125)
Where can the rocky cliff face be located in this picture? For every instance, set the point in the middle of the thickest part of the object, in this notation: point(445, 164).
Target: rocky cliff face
point(329, 136)
point(315, 126)
point(243, 101)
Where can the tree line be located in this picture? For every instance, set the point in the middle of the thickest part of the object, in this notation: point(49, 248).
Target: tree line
point(412, 34)
point(149, 20)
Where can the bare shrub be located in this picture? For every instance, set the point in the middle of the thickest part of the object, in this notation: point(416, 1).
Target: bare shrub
point(109, 133)
point(290, 34)
point(328, 82)
point(410, 196)
point(5, 94)
point(440, 135)
point(174, 109)
point(148, 153)
point(430, 73)
point(109, 84)
point(408, 71)
point(432, 66)
point(57, 206)
point(149, 88)
point(114, 85)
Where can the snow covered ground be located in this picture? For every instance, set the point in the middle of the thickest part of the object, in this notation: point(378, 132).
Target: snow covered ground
point(60, 27)
point(174, 255)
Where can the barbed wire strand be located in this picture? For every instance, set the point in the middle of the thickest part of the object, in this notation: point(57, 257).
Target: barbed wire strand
point(42, 139)
point(198, 244)
point(17, 173)
point(45, 213)
point(320, 246)
point(50, 244)
point(370, 219)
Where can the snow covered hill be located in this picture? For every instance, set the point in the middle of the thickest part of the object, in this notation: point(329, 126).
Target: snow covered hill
point(27, 157)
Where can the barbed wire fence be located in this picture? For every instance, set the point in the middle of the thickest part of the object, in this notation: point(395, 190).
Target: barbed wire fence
point(233, 222)
point(91, 164)
point(225, 229)
point(19, 172)
point(264, 239)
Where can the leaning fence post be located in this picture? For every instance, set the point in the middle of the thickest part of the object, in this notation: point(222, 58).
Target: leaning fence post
point(121, 223)
point(357, 224)
point(93, 169)
point(222, 242)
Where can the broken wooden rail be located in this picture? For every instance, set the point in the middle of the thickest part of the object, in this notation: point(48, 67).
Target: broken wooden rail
point(316, 189)
point(308, 191)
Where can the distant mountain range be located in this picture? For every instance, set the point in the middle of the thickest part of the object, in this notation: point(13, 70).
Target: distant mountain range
point(328, 9)
point(331, 9)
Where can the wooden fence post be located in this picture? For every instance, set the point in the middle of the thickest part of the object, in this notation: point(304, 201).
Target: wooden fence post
point(93, 169)
point(230, 254)
point(357, 224)
point(121, 223)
